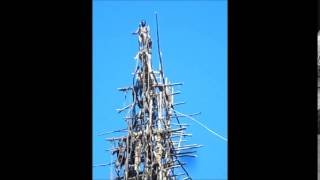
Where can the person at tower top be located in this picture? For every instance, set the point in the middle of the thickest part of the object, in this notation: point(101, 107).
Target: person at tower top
point(143, 32)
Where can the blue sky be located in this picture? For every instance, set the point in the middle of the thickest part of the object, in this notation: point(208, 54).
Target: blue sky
point(193, 40)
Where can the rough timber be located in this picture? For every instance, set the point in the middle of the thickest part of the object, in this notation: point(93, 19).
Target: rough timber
point(153, 145)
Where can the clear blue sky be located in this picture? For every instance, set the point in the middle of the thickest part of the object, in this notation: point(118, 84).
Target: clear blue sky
point(193, 40)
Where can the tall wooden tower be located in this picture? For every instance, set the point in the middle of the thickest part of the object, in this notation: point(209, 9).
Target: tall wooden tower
point(153, 144)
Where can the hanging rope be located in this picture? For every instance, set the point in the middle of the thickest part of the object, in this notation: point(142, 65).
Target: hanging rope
point(221, 137)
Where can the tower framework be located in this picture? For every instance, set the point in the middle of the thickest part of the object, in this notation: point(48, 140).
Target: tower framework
point(153, 145)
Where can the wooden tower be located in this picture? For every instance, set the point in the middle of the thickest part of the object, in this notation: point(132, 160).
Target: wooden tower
point(152, 146)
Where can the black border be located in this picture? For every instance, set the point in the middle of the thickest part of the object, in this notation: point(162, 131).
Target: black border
point(272, 90)
point(51, 84)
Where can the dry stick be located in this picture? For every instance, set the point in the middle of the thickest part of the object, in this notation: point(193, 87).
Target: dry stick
point(161, 73)
point(173, 146)
point(159, 53)
point(111, 160)
point(98, 165)
point(109, 132)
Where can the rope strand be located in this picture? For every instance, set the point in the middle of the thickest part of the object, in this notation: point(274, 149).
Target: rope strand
point(221, 137)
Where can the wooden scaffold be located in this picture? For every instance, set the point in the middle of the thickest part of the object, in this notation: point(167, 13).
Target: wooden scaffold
point(152, 147)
